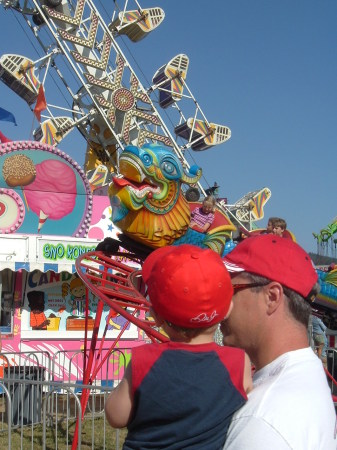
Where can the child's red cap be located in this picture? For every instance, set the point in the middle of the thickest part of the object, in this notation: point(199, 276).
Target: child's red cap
point(188, 286)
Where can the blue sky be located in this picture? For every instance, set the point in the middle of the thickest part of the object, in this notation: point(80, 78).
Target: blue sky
point(265, 68)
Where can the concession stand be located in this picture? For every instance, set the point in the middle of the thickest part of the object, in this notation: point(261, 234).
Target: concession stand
point(50, 213)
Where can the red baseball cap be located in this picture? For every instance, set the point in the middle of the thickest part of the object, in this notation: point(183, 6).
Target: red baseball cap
point(187, 285)
point(276, 258)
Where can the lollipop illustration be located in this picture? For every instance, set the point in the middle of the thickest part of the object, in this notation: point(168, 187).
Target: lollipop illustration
point(52, 195)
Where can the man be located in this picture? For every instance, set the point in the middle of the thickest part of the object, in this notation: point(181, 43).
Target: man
point(290, 406)
point(319, 336)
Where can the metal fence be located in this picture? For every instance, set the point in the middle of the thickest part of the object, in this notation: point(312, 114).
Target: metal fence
point(331, 354)
point(40, 401)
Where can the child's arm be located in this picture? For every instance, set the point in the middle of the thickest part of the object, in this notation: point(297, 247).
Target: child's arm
point(247, 375)
point(206, 226)
point(192, 223)
point(118, 405)
point(196, 227)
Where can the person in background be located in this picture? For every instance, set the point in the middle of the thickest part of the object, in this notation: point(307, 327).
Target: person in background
point(202, 217)
point(279, 226)
point(290, 405)
point(214, 190)
point(181, 394)
point(270, 225)
point(319, 336)
point(242, 234)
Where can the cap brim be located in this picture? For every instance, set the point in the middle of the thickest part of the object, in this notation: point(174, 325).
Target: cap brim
point(232, 268)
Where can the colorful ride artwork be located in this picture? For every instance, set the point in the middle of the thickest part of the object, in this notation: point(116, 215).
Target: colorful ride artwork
point(148, 204)
point(327, 296)
point(327, 234)
point(327, 250)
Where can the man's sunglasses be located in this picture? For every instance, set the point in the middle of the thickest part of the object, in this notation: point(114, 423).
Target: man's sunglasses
point(240, 287)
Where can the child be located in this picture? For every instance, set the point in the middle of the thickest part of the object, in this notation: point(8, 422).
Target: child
point(270, 224)
point(279, 226)
point(181, 394)
point(202, 217)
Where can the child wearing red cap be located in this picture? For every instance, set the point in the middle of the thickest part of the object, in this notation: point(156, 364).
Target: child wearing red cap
point(182, 393)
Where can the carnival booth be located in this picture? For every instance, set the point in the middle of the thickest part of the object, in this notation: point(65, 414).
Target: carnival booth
point(48, 218)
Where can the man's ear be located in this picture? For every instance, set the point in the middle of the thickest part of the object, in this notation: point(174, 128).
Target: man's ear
point(275, 297)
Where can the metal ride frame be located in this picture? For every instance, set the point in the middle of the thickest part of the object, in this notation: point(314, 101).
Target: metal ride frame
point(119, 286)
point(109, 105)
point(75, 39)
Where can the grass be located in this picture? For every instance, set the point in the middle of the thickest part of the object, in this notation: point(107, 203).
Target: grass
point(61, 413)
point(96, 434)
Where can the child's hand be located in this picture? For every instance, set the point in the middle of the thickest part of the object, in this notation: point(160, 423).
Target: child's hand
point(197, 228)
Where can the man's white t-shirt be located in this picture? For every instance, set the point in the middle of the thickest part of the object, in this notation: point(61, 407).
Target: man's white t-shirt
point(290, 407)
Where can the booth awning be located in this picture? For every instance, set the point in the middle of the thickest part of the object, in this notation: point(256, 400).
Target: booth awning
point(42, 267)
point(44, 253)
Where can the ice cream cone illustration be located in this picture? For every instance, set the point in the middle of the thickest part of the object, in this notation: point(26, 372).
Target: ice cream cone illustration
point(43, 217)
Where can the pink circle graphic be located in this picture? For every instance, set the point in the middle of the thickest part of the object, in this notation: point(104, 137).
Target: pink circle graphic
point(12, 211)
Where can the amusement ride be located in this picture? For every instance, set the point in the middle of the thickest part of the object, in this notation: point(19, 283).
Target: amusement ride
point(145, 164)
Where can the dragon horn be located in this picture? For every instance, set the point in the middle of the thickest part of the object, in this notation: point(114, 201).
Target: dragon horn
point(193, 176)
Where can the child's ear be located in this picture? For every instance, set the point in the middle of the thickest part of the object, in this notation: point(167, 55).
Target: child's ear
point(157, 318)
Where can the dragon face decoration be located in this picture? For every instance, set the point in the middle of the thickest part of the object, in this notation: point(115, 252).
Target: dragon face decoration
point(147, 202)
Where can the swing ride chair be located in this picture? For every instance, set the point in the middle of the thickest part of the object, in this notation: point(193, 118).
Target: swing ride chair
point(118, 286)
point(99, 108)
point(74, 36)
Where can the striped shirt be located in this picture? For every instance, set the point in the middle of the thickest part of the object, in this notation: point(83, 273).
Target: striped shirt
point(201, 218)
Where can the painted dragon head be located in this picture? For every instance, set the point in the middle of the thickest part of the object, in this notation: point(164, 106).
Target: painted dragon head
point(151, 186)
point(152, 178)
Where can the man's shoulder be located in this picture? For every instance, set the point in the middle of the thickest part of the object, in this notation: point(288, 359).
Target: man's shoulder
point(290, 405)
point(293, 378)
point(283, 415)
point(291, 364)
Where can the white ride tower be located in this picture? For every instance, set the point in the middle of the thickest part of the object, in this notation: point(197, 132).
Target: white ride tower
point(105, 99)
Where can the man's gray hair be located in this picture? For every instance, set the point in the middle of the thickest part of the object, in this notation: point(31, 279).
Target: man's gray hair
point(298, 306)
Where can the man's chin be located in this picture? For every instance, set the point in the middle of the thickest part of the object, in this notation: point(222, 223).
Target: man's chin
point(229, 339)
point(226, 336)
point(228, 342)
